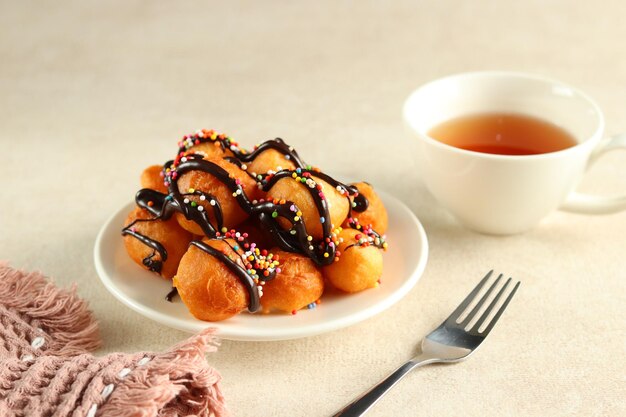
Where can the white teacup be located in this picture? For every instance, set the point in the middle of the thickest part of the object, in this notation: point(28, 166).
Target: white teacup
point(504, 194)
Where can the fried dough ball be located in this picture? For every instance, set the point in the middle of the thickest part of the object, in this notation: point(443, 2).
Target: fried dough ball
point(232, 213)
point(297, 192)
point(168, 233)
point(376, 213)
point(151, 178)
point(358, 267)
point(211, 150)
point(208, 288)
point(298, 284)
point(269, 160)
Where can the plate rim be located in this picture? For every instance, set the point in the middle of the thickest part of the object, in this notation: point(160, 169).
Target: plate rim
point(268, 334)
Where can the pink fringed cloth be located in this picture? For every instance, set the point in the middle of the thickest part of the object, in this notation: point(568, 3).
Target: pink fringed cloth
point(46, 334)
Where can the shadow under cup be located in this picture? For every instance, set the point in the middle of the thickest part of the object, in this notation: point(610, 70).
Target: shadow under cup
point(501, 194)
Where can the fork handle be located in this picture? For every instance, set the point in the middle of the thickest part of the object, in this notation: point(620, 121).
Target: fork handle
point(360, 406)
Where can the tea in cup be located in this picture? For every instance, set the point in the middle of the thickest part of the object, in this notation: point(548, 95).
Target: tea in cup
point(501, 150)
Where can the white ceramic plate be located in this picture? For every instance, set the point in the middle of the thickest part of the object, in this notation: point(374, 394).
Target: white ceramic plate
point(144, 292)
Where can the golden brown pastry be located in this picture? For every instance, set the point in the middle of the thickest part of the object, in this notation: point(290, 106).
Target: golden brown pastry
point(269, 160)
point(294, 190)
point(204, 189)
point(209, 289)
point(154, 244)
point(152, 178)
point(375, 215)
point(360, 264)
point(298, 284)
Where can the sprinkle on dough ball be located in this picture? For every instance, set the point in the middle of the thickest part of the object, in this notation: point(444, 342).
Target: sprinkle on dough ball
point(208, 288)
point(256, 234)
point(211, 150)
point(358, 267)
point(298, 284)
point(269, 160)
point(232, 212)
point(298, 193)
point(376, 213)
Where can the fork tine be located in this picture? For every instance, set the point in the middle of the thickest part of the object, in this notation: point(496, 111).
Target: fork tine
point(461, 308)
point(493, 303)
point(499, 313)
point(482, 301)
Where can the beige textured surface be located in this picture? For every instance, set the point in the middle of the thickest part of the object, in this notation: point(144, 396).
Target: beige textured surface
point(92, 93)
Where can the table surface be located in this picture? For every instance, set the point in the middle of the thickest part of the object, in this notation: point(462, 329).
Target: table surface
point(91, 93)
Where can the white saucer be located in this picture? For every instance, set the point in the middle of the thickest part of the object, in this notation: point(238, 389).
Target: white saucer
point(144, 292)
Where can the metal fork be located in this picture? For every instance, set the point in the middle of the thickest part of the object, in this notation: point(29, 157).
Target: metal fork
point(450, 342)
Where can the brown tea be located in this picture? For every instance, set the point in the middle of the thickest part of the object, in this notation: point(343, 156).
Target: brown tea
point(503, 133)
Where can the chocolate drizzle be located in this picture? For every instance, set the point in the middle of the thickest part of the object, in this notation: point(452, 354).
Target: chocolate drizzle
point(294, 239)
point(152, 264)
point(246, 280)
point(266, 213)
point(242, 155)
point(170, 295)
point(360, 203)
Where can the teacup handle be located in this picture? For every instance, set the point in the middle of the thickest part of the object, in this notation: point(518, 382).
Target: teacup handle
point(591, 204)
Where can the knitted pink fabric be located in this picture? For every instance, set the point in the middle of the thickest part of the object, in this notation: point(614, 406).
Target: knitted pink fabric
point(37, 318)
point(46, 370)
